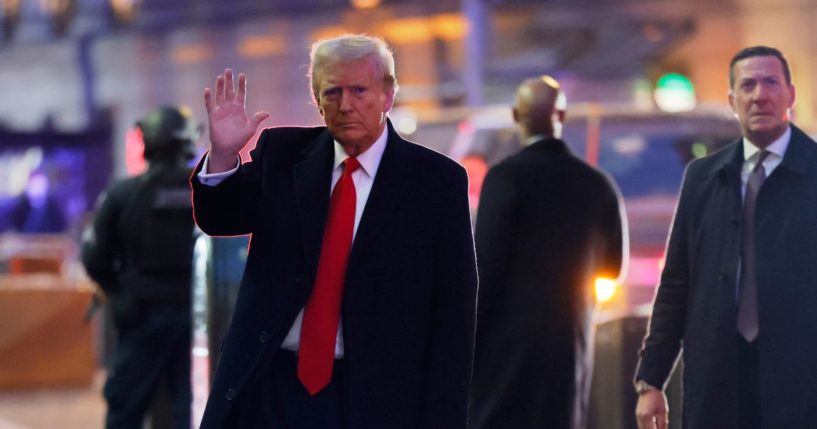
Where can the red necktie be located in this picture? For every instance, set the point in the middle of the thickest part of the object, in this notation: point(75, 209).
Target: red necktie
point(322, 312)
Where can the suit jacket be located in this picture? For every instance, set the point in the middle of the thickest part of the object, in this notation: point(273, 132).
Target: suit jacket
point(695, 306)
point(409, 298)
point(547, 225)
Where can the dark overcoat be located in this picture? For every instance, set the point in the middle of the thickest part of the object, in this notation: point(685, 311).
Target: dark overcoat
point(695, 306)
point(548, 224)
point(409, 298)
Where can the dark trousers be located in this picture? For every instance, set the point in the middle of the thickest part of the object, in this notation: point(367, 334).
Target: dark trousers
point(748, 391)
point(276, 399)
point(155, 351)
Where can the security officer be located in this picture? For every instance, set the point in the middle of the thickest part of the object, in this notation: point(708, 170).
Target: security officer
point(139, 251)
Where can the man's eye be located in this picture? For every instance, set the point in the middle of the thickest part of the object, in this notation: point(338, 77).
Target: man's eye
point(359, 90)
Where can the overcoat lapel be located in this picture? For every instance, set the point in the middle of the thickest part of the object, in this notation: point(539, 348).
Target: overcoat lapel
point(312, 177)
point(389, 186)
point(799, 157)
point(729, 170)
point(727, 177)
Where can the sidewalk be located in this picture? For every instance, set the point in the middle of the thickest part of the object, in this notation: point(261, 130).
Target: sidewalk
point(67, 408)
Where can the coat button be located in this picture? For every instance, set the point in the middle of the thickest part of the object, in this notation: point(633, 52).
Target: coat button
point(264, 336)
point(300, 280)
point(229, 394)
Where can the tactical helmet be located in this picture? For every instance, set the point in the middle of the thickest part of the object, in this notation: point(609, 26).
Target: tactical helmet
point(169, 133)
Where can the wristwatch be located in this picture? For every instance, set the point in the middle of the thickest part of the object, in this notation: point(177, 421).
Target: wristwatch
point(642, 386)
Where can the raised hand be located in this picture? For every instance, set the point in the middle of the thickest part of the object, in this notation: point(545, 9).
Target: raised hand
point(230, 128)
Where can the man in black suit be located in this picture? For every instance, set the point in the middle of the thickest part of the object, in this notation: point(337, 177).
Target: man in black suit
point(548, 225)
point(356, 233)
point(739, 288)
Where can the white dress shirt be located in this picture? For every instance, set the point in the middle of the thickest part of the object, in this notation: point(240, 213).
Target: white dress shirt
point(750, 153)
point(363, 179)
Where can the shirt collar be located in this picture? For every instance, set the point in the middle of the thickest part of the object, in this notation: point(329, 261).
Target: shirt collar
point(777, 148)
point(370, 159)
point(534, 138)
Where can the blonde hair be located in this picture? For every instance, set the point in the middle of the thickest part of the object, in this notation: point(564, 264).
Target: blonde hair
point(349, 47)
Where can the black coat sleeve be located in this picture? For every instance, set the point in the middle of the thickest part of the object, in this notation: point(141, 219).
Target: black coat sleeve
point(230, 208)
point(616, 242)
point(454, 313)
point(666, 328)
point(494, 241)
point(101, 247)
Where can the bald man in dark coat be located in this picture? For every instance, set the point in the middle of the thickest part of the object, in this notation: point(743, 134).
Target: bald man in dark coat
point(548, 225)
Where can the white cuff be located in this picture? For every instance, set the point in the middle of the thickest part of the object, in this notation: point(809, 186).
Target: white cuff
point(213, 179)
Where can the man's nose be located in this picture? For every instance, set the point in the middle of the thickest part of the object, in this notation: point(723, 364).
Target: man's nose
point(760, 93)
point(345, 101)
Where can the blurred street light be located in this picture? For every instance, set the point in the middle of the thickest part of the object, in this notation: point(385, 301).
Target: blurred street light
point(365, 4)
point(605, 289)
point(674, 92)
point(124, 11)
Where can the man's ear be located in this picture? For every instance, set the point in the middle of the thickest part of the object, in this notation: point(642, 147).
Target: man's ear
point(731, 97)
point(388, 102)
